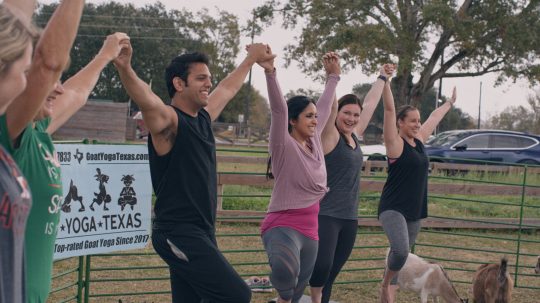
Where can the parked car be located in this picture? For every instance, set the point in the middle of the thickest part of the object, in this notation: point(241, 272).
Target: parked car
point(376, 152)
point(487, 145)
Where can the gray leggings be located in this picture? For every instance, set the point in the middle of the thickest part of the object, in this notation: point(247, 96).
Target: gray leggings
point(401, 235)
point(291, 256)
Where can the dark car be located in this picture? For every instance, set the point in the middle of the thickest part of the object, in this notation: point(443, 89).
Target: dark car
point(486, 145)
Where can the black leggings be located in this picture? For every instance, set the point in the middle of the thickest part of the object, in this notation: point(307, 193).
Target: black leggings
point(336, 241)
point(199, 272)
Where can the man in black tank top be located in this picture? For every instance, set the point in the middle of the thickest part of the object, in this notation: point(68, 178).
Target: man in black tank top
point(183, 170)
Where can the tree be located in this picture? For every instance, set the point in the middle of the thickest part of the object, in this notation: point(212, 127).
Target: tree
point(310, 93)
point(473, 38)
point(157, 36)
point(258, 108)
point(519, 118)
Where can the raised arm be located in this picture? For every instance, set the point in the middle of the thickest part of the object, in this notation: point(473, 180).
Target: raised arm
point(229, 86)
point(279, 118)
point(373, 97)
point(50, 58)
point(158, 117)
point(78, 88)
point(330, 134)
point(435, 118)
point(23, 9)
point(392, 140)
point(324, 104)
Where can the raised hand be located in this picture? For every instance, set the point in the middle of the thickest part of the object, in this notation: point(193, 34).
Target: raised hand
point(266, 59)
point(331, 63)
point(113, 45)
point(452, 100)
point(123, 60)
point(259, 52)
point(387, 70)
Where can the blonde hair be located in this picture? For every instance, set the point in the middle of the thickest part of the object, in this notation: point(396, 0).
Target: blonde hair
point(15, 36)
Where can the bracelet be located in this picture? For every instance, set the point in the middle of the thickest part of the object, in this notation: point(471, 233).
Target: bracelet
point(382, 78)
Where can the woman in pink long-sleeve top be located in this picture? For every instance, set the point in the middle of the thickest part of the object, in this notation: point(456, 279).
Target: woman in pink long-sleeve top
point(289, 230)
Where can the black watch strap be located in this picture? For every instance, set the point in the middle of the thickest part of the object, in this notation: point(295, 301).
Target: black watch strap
point(382, 78)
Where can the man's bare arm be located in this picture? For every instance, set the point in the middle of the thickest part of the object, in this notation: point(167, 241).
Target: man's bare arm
point(159, 118)
point(229, 86)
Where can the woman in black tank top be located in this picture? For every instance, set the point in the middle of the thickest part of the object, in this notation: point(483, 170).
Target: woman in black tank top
point(404, 198)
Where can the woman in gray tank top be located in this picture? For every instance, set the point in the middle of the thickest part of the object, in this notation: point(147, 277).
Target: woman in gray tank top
point(338, 215)
point(404, 198)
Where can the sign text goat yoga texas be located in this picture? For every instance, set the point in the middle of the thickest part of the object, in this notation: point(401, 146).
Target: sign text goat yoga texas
point(107, 199)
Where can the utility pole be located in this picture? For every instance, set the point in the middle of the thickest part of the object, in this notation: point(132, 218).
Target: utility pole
point(479, 105)
point(248, 95)
point(439, 97)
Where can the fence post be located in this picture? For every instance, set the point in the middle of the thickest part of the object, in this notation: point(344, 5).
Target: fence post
point(220, 196)
point(80, 281)
point(249, 136)
point(87, 280)
point(523, 188)
point(434, 168)
point(367, 167)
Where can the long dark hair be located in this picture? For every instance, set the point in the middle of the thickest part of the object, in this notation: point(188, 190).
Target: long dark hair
point(295, 106)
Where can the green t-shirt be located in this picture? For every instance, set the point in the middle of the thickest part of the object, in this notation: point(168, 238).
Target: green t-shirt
point(37, 160)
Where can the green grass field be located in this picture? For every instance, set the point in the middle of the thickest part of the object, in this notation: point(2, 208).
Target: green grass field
point(459, 251)
point(359, 280)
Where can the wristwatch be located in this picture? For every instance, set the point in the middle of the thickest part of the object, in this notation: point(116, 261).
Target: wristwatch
point(382, 78)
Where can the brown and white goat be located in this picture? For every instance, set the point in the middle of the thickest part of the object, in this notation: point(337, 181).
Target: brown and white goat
point(492, 283)
point(427, 279)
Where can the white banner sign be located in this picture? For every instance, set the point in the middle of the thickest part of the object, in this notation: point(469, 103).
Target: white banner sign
point(107, 199)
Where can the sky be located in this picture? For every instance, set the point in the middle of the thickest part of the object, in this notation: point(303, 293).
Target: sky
point(493, 99)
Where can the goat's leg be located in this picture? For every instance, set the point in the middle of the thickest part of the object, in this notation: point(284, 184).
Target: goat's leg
point(423, 296)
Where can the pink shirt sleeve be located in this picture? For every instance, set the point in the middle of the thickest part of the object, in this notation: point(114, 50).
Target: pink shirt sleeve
point(278, 106)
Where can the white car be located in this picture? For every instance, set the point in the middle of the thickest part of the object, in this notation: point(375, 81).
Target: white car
point(375, 152)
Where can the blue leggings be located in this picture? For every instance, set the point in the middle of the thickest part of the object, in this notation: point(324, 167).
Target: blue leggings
point(291, 256)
